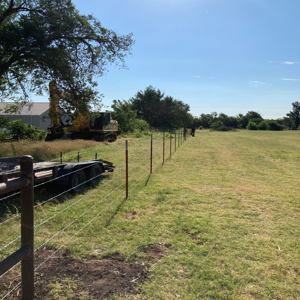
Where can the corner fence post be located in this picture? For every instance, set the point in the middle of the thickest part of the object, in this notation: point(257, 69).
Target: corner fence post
point(151, 155)
point(27, 227)
point(126, 154)
point(61, 157)
point(175, 140)
point(170, 145)
point(164, 147)
point(78, 157)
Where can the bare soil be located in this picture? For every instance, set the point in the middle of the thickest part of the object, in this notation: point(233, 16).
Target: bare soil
point(100, 278)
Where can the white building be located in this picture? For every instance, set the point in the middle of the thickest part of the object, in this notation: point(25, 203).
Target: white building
point(37, 115)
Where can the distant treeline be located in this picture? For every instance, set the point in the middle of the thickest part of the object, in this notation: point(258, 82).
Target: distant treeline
point(251, 120)
point(151, 108)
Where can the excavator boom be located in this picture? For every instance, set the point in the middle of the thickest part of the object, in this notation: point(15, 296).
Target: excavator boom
point(100, 128)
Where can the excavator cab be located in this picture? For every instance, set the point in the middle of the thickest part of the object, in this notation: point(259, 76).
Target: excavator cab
point(100, 122)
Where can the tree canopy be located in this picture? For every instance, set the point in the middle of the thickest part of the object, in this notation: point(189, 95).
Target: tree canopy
point(294, 114)
point(153, 107)
point(42, 40)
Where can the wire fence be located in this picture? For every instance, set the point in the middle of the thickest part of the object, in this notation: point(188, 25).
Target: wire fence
point(133, 161)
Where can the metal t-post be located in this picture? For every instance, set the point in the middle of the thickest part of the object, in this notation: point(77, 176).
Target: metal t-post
point(170, 145)
point(164, 147)
point(126, 154)
point(151, 155)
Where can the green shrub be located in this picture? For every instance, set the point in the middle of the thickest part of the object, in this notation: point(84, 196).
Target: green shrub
point(140, 125)
point(216, 124)
point(138, 134)
point(3, 136)
point(252, 126)
point(200, 127)
point(257, 121)
point(146, 133)
point(263, 125)
point(18, 130)
point(167, 134)
point(275, 126)
point(4, 121)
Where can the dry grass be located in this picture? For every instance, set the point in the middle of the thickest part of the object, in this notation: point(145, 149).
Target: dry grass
point(43, 150)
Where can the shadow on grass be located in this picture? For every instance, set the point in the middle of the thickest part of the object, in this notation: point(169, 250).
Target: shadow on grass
point(147, 180)
point(115, 212)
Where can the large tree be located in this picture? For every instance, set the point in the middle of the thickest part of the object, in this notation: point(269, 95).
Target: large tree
point(294, 114)
point(43, 40)
point(148, 104)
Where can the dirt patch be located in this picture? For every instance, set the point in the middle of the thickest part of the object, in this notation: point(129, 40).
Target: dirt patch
point(156, 251)
point(97, 278)
point(131, 216)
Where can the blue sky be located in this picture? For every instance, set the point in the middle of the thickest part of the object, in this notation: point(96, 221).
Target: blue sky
point(228, 56)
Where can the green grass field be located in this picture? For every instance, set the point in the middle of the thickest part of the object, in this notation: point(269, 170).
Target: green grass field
point(227, 202)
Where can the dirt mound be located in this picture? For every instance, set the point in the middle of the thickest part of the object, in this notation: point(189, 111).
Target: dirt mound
point(99, 278)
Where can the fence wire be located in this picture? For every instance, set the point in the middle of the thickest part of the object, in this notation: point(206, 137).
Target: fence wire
point(155, 150)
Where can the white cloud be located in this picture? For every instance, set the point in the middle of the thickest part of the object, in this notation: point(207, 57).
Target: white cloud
point(289, 62)
point(283, 62)
point(259, 84)
point(291, 79)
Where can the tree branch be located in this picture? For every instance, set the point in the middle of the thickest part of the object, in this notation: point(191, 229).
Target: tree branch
point(10, 10)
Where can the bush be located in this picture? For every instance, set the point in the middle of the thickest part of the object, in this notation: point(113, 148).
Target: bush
point(252, 126)
point(257, 121)
point(275, 126)
point(138, 134)
point(140, 125)
point(216, 124)
point(4, 121)
point(263, 125)
point(200, 127)
point(18, 130)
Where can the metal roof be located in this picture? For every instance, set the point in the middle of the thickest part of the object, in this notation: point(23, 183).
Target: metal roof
point(36, 109)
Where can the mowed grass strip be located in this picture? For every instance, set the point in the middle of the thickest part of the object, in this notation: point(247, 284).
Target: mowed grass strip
point(227, 202)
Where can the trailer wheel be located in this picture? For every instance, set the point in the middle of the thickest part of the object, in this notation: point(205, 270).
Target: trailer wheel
point(77, 181)
point(95, 173)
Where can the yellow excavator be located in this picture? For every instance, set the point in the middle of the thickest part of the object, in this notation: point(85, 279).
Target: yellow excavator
point(100, 128)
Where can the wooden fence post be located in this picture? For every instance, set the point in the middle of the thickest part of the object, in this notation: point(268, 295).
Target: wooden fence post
point(27, 227)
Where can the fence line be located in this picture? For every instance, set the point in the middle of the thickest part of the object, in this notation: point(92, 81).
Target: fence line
point(155, 153)
point(38, 205)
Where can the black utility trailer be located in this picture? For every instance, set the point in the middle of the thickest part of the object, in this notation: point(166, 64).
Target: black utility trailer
point(73, 175)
